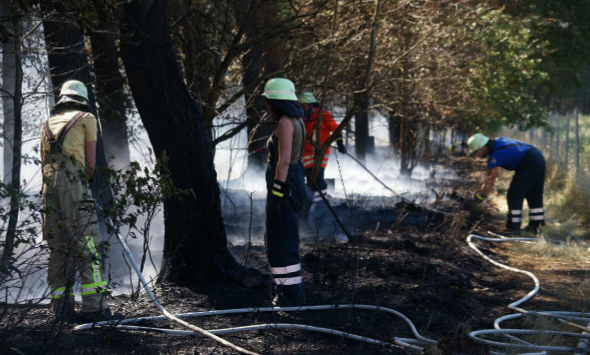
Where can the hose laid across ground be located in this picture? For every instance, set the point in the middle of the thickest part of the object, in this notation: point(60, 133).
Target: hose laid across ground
point(411, 345)
point(157, 303)
point(564, 317)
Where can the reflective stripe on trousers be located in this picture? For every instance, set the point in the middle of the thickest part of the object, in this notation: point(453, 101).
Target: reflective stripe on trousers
point(528, 183)
point(282, 236)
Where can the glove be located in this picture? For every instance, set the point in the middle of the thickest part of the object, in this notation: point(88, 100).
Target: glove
point(341, 147)
point(279, 190)
point(479, 197)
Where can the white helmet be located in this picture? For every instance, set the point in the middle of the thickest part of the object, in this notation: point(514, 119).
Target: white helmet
point(477, 141)
point(74, 87)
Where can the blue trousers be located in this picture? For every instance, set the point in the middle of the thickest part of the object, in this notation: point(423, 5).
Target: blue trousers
point(282, 238)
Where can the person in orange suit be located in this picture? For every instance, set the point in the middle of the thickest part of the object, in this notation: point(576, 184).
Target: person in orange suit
point(311, 107)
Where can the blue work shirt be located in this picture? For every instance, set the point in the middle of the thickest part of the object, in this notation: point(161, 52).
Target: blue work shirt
point(507, 153)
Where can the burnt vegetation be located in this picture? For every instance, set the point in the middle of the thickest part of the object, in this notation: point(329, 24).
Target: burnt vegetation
point(176, 83)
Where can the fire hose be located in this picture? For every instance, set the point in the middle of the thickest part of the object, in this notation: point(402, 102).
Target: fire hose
point(416, 345)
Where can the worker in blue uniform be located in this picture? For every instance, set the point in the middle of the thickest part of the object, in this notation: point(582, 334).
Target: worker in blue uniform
point(528, 165)
point(286, 192)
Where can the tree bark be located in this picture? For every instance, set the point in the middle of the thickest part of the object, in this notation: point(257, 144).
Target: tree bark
point(408, 140)
point(17, 137)
point(361, 129)
point(262, 58)
point(110, 94)
point(9, 58)
point(195, 246)
point(394, 132)
point(68, 60)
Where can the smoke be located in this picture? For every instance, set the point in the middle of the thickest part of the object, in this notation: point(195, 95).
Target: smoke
point(243, 200)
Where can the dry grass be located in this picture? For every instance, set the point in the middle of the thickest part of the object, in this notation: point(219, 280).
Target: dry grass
point(568, 250)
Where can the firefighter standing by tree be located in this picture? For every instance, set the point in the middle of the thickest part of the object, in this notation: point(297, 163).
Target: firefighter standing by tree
point(311, 107)
point(286, 191)
point(528, 164)
point(68, 154)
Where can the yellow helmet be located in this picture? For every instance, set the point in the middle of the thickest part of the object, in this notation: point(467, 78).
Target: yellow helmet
point(477, 141)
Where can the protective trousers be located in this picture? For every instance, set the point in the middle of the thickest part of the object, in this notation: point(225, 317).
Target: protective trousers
point(528, 182)
point(282, 238)
point(71, 231)
point(320, 182)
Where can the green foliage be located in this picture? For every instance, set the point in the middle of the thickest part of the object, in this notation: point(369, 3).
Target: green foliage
point(139, 193)
point(564, 27)
point(508, 71)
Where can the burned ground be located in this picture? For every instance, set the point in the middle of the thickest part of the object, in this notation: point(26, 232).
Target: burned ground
point(405, 258)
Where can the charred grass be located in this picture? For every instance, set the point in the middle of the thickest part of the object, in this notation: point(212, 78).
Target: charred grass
point(422, 269)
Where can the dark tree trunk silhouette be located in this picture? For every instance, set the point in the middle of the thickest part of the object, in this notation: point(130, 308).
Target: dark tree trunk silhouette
point(68, 60)
point(195, 247)
point(109, 94)
point(361, 128)
point(262, 59)
point(394, 131)
point(12, 50)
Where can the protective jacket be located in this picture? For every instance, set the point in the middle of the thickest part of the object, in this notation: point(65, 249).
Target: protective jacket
point(328, 125)
point(528, 182)
point(69, 217)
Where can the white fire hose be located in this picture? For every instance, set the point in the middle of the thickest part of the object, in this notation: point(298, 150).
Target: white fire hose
point(563, 317)
point(411, 345)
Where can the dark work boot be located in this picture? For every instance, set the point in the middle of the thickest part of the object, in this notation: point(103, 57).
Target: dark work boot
point(64, 310)
point(99, 316)
point(290, 296)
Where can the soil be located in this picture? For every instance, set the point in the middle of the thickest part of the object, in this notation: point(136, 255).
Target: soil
point(423, 269)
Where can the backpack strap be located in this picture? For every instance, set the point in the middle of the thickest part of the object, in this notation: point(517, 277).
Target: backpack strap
point(56, 142)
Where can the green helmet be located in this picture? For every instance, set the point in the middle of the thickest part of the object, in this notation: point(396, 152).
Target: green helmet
point(477, 141)
point(307, 98)
point(280, 89)
point(74, 87)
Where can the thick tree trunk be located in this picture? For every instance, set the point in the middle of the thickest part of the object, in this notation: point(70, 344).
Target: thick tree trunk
point(110, 96)
point(195, 247)
point(68, 60)
point(16, 148)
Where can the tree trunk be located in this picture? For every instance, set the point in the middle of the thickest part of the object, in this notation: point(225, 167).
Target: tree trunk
point(9, 58)
point(577, 144)
point(394, 131)
point(16, 134)
point(361, 129)
point(262, 58)
point(110, 95)
point(557, 140)
point(567, 142)
point(426, 154)
point(195, 246)
point(408, 135)
point(68, 60)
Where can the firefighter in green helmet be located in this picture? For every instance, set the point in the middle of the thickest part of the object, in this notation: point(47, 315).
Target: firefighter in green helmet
point(286, 192)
